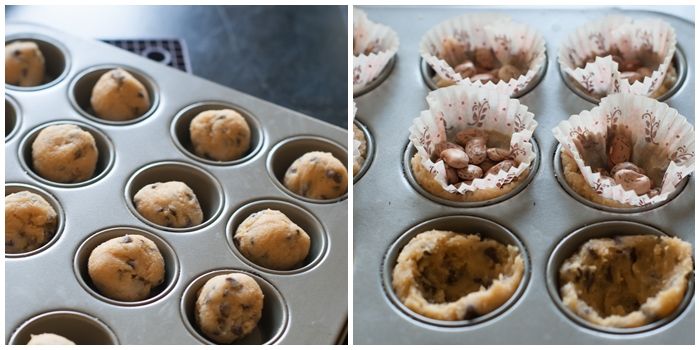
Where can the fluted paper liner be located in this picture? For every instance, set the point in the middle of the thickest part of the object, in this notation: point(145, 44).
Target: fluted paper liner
point(366, 33)
point(663, 143)
point(598, 37)
point(494, 31)
point(459, 107)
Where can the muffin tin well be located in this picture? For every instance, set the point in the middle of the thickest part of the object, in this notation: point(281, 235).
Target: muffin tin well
point(11, 188)
point(387, 203)
point(56, 58)
point(80, 328)
point(149, 149)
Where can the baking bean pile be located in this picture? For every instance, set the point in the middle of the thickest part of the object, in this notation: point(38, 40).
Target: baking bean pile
point(632, 68)
point(481, 64)
point(625, 173)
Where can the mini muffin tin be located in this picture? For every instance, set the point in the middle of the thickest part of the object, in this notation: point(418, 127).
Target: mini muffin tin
point(49, 289)
point(389, 209)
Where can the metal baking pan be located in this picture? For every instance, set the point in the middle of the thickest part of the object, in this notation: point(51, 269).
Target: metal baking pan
point(48, 291)
point(388, 208)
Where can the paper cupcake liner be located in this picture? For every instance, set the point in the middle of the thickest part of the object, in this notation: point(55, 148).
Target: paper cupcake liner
point(367, 34)
point(663, 143)
point(458, 107)
point(494, 31)
point(629, 36)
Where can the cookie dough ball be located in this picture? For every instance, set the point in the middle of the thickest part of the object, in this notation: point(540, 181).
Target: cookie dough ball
point(24, 64)
point(228, 307)
point(171, 204)
point(126, 268)
point(221, 135)
point(30, 222)
point(49, 339)
point(317, 175)
point(64, 153)
point(270, 239)
point(119, 96)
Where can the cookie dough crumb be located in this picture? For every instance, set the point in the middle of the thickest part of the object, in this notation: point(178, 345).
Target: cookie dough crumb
point(30, 222)
point(170, 204)
point(626, 281)
point(126, 268)
point(221, 135)
point(317, 175)
point(270, 239)
point(64, 153)
point(228, 307)
point(49, 339)
point(24, 64)
point(119, 96)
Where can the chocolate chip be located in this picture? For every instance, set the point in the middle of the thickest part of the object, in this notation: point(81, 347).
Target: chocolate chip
point(245, 306)
point(633, 255)
point(470, 313)
point(136, 110)
point(292, 170)
point(234, 283)
point(78, 153)
point(154, 187)
point(491, 253)
point(132, 263)
point(139, 94)
point(224, 309)
point(221, 116)
point(17, 53)
point(118, 76)
point(452, 277)
point(313, 159)
point(126, 239)
point(237, 330)
point(592, 253)
point(608, 274)
point(9, 243)
point(332, 174)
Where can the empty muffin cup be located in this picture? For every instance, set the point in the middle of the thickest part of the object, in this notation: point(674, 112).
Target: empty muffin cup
point(171, 264)
point(275, 313)
point(180, 131)
point(56, 60)
point(205, 186)
point(80, 328)
point(11, 188)
point(80, 92)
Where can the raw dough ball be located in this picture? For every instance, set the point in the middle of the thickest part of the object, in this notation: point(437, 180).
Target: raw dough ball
point(221, 135)
point(228, 307)
point(626, 281)
point(317, 175)
point(24, 64)
point(451, 276)
point(30, 222)
point(171, 204)
point(117, 95)
point(64, 153)
point(126, 268)
point(358, 157)
point(270, 239)
point(49, 339)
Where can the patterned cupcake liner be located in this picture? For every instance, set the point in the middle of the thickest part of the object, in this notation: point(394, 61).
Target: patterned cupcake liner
point(602, 76)
point(378, 38)
point(662, 144)
point(458, 107)
point(508, 39)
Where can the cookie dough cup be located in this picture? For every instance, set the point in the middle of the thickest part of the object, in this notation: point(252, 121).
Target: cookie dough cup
point(24, 64)
point(451, 276)
point(452, 42)
point(373, 46)
point(456, 108)
point(585, 56)
point(661, 143)
point(626, 281)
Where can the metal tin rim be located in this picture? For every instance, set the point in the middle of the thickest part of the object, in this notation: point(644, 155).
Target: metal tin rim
point(96, 133)
point(17, 114)
point(386, 71)
point(408, 173)
point(276, 181)
point(579, 237)
point(141, 76)
point(253, 122)
point(230, 230)
point(369, 154)
point(559, 175)
point(678, 61)
point(389, 260)
point(427, 73)
point(61, 216)
point(46, 40)
point(215, 272)
point(214, 216)
point(97, 236)
point(95, 320)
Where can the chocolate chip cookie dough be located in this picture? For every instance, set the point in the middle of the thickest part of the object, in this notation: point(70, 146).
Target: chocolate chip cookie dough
point(64, 153)
point(228, 307)
point(119, 96)
point(270, 239)
point(30, 222)
point(126, 268)
point(24, 64)
point(451, 276)
point(359, 159)
point(221, 135)
point(49, 339)
point(170, 204)
point(578, 183)
point(626, 281)
point(317, 175)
